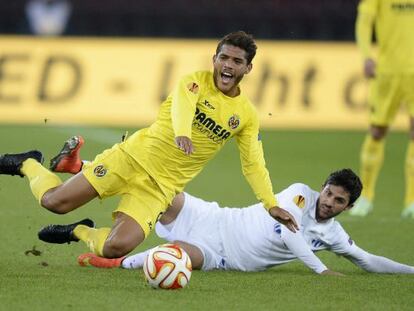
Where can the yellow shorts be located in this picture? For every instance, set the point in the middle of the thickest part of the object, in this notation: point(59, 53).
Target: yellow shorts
point(114, 172)
point(387, 93)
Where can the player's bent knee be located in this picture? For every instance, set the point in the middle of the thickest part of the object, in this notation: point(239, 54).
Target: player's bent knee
point(55, 205)
point(115, 248)
point(196, 256)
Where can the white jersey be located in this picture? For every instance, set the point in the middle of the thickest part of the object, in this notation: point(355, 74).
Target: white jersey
point(249, 239)
point(253, 240)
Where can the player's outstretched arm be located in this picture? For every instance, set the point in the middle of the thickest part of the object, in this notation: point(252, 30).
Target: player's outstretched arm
point(363, 33)
point(183, 107)
point(377, 264)
point(298, 246)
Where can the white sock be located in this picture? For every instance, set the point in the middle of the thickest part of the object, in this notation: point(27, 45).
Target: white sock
point(135, 261)
point(169, 226)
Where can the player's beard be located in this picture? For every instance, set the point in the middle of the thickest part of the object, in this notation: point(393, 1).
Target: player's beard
point(327, 212)
point(234, 83)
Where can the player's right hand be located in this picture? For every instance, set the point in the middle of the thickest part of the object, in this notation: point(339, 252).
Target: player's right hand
point(370, 68)
point(185, 144)
point(284, 217)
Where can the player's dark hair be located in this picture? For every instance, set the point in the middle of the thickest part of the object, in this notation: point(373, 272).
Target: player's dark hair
point(241, 40)
point(347, 179)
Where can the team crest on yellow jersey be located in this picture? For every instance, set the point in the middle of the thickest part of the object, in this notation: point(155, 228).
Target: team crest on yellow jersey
point(234, 121)
point(100, 171)
point(299, 201)
point(193, 87)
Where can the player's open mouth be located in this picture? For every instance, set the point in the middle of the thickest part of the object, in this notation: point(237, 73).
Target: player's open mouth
point(226, 77)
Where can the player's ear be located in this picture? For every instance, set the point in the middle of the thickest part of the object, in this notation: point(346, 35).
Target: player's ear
point(249, 68)
point(214, 58)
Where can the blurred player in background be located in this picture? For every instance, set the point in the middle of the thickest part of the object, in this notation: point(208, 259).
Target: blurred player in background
point(248, 239)
point(392, 84)
point(48, 17)
point(204, 111)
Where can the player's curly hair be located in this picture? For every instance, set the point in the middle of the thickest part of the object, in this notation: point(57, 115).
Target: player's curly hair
point(347, 179)
point(241, 40)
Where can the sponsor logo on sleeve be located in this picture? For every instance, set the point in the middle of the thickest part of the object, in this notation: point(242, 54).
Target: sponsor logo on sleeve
point(193, 87)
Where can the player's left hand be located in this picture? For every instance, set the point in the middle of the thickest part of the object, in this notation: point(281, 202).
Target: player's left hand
point(284, 217)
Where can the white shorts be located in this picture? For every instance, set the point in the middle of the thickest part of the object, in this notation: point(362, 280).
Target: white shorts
point(198, 224)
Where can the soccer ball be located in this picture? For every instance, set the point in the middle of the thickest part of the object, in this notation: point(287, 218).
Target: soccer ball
point(167, 266)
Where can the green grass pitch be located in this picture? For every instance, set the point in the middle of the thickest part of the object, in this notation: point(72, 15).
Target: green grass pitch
point(54, 281)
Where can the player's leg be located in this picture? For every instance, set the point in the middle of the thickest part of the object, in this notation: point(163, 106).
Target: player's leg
point(137, 260)
point(46, 186)
point(124, 236)
point(135, 216)
point(371, 160)
point(408, 211)
point(115, 242)
point(384, 99)
point(69, 195)
point(170, 215)
point(133, 222)
point(196, 256)
point(115, 172)
point(177, 225)
point(103, 177)
point(167, 221)
point(62, 199)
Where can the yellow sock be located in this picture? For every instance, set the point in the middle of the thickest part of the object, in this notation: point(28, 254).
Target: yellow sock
point(409, 174)
point(94, 238)
point(372, 157)
point(41, 180)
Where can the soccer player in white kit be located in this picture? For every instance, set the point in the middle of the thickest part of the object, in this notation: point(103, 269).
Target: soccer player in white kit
point(249, 239)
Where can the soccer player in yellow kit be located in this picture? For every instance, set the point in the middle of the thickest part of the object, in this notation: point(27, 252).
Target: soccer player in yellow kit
point(392, 85)
point(203, 112)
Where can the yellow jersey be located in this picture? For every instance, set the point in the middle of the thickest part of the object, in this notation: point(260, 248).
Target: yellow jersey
point(394, 29)
point(200, 111)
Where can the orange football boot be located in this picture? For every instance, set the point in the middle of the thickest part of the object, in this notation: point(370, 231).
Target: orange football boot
point(68, 160)
point(91, 259)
